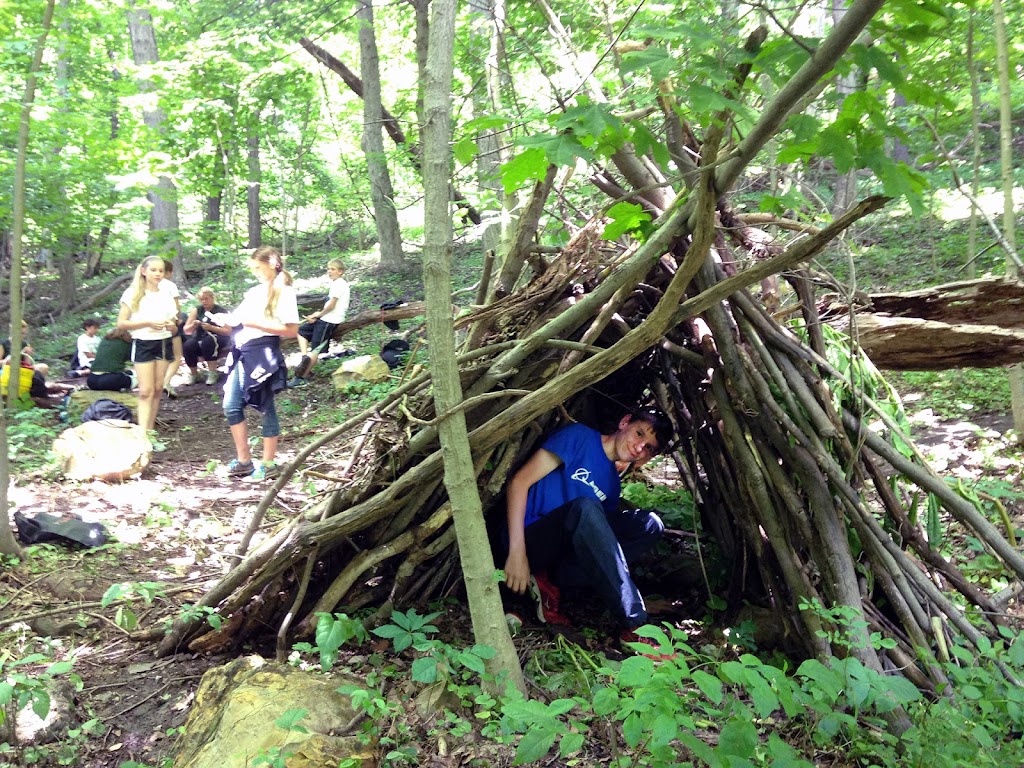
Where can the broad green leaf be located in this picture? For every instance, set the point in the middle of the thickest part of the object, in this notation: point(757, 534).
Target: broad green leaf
point(738, 738)
point(561, 706)
point(763, 697)
point(59, 668)
point(606, 701)
point(471, 661)
point(571, 742)
point(465, 151)
point(655, 58)
point(528, 165)
point(6, 693)
point(589, 119)
point(41, 703)
point(424, 670)
point(625, 217)
point(709, 685)
point(290, 718)
point(485, 123)
point(834, 142)
point(633, 729)
point(534, 745)
point(636, 672)
point(666, 728)
point(560, 148)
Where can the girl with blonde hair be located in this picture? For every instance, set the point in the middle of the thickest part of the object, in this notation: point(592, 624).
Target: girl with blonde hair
point(150, 315)
point(256, 367)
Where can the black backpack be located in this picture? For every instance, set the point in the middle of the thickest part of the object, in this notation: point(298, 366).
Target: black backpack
point(107, 409)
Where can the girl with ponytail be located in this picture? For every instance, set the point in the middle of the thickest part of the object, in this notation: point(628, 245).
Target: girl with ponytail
point(150, 315)
point(256, 367)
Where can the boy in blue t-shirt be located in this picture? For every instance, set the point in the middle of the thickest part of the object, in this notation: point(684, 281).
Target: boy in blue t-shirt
point(563, 513)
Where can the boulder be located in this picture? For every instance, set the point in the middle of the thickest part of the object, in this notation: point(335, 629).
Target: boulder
point(237, 718)
point(83, 398)
point(369, 368)
point(103, 450)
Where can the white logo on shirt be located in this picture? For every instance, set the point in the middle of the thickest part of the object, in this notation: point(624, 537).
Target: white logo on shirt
point(583, 475)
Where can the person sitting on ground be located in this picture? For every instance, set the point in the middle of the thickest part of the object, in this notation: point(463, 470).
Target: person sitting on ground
point(6, 344)
point(564, 525)
point(87, 345)
point(204, 340)
point(108, 372)
point(317, 329)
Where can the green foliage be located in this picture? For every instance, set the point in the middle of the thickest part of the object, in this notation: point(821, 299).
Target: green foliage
point(957, 393)
point(30, 433)
point(332, 632)
point(675, 505)
point(124, 616)
point(407, 629)
point(26, 682)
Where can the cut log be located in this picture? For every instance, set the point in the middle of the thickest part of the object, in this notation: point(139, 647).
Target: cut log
point(968, 324)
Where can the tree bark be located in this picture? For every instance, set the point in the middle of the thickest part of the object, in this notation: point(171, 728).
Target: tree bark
point(488, 616)
point(163, 221)
point(8, 544)
point(382, 195)
point(255, 178)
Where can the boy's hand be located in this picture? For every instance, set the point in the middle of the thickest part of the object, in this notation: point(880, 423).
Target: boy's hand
point(517, 572)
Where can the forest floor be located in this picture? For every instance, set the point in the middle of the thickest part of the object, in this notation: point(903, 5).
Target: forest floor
point(177, 526)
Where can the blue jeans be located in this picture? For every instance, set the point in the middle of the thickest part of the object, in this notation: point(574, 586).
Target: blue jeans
point(234, 407)
point(581, 545)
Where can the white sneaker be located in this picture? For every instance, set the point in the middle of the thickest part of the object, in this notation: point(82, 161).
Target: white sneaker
point(212, 377)
point(191, 377)
point(170, 391)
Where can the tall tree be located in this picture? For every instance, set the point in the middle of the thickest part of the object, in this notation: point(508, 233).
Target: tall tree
point(163, 221)
point(489, 625)
point(382, 194)
point(8, 545)
point(1007, 169)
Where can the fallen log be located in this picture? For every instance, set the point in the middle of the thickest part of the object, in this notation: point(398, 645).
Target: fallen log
point(967, 324)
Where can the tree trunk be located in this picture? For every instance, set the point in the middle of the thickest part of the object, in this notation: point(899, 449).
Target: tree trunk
point(163, 220)
point(8, 544)
point(382, 194)
point(489, 627)
point(1007, 169)
point(255, 178)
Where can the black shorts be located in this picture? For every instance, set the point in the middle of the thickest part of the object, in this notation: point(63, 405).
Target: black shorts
point(150, 350)
point(318, 334)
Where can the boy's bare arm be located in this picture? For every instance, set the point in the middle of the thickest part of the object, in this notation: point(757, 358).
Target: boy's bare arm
point(517, 566)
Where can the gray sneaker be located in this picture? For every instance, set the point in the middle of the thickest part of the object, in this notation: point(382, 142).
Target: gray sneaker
point(212, 377)
point(238, 468)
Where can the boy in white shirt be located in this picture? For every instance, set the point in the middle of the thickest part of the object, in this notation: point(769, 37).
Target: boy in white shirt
point(317, 329)
point(87, 345)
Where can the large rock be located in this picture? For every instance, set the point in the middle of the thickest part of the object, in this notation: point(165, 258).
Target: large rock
point(108, 450)
point(369, 368)
point(83, 398)
point(232, 721)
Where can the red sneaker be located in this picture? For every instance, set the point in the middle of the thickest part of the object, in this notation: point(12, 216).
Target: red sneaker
point(548, 597)
point(629, 636)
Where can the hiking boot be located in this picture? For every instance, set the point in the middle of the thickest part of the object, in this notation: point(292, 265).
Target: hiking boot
point(303, 367)
point(548, 598)
point(238, 468)
point(212, 377)
point(170, 391)
point(264, 471)
point(297, 382)
point(650, 647)
point(191, 378)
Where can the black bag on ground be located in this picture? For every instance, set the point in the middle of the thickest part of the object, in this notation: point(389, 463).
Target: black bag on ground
point(107, 409)
point(391, 324)
point(60, 529)
point(393, 353)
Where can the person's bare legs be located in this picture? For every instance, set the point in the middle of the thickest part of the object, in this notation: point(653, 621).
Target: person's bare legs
point(240, 435)
point(269, 450)
point(151, 376)
point(303, 344)
point(172, 367)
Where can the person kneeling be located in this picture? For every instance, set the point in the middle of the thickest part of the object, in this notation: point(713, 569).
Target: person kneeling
point(563, 523)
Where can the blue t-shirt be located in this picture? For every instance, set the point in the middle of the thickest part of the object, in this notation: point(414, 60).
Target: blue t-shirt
point(585, 471)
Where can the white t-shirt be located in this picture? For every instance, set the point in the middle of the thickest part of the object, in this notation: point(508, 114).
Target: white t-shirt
point(340, 291)
point(170, 288)
point(87, 344)
point(253, 309)
point(155, 306)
